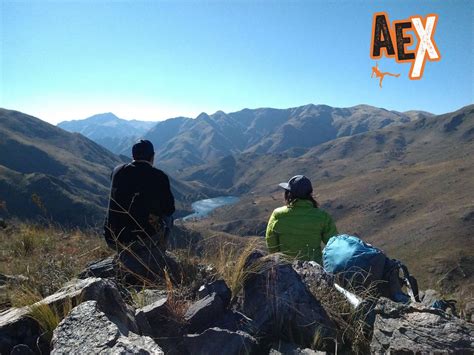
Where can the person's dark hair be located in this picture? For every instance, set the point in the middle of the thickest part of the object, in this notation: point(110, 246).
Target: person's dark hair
point(143, 150)
point(289, 199)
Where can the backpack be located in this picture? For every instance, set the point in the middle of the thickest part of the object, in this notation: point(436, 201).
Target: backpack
point(360, 265)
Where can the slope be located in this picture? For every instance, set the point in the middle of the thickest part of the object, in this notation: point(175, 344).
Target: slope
point(408, 188)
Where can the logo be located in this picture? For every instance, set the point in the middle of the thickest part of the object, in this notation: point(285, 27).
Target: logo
point(393, 42)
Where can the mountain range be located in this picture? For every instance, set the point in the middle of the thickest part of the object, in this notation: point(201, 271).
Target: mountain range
point(108, 130)
point(183, 142)
point(406, 187)
point(402, 180)
point(48, 172)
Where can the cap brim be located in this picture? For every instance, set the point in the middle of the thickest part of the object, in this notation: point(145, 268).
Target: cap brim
point(284, 185)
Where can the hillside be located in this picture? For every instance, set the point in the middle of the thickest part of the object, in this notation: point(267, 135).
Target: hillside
point(50, 173)
point(108, 130)
point(408, 188)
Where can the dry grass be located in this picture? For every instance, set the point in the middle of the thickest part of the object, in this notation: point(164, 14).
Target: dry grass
point(48, 317)
point(47, 256)
point(351, 322)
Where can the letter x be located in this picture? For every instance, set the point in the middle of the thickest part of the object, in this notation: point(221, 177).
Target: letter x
point(425, 44)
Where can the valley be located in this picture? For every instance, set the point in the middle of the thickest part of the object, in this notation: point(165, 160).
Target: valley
point(402, 181)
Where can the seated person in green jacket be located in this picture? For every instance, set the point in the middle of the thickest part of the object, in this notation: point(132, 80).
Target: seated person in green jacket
point(298, 228)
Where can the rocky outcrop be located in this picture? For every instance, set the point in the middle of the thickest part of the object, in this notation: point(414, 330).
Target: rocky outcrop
point(204, 313)
point(88, 330)
point(158, 320)
point(281, 305)
point(277, 312)
point(16, 327)
point(416, 329)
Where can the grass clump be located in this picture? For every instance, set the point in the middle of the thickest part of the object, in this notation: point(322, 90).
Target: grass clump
point(351, 322)
point(45, 256)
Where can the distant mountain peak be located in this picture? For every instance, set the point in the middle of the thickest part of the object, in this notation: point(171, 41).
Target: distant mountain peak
point(103, 117)
point(202, 115)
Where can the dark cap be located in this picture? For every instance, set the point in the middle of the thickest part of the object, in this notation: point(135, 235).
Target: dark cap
point(143, 149)
point(299, 186)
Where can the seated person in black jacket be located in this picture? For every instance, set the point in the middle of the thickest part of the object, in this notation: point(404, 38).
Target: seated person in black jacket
point(139, 215)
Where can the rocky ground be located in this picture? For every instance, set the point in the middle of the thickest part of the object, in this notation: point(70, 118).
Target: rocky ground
point(278, 308)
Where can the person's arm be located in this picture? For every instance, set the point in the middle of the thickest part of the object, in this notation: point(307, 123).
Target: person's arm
point(271, 235)
point(162, 202)
point(168, 207)
point(329, 230)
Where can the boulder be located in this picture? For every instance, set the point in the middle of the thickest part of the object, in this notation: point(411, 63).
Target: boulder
point(204, 313)
point(105, 268)
point(157, 320)
point(219, 341)
point(416, 329)
point(234, 321)
point(313, 275)
point(16, 327)
point(281, 305)
point(87, 330)
point(219, 287)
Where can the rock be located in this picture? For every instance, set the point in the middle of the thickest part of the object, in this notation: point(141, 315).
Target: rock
point(234, 321)
point(429, 296)
point(204, 312)
point(283, 348)
point(150, 296)
point(17, 328)
point(87, 329)
point(415, 329)
point(219, 341)
point(105, 268)
point(156, 313)
point(219, 287)
point(135, 344)
point(313, 274)
point(468, 311)
point(281, 305)
point(3, 224)
point(159, 320)
point(146, 265)
point(16, 279)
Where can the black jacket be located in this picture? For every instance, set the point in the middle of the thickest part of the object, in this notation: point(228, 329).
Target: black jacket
point(138, 190)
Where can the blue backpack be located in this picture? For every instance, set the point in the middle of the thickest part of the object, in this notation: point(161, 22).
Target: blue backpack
point(361, 265)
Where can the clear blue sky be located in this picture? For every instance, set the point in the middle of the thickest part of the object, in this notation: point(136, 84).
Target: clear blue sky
point(153, 60)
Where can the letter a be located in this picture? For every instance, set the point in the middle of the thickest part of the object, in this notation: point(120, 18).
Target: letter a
point(381, 29)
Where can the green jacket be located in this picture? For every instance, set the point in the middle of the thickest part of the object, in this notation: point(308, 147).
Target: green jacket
point(297, 230)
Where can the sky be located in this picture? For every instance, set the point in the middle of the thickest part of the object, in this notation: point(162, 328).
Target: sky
point(152, 60)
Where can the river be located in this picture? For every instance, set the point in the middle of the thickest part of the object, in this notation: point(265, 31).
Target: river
point(202, 208)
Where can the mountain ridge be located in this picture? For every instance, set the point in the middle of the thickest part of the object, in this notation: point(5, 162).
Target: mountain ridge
point(108, 130)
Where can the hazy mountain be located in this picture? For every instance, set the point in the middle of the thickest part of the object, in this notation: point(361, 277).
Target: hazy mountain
point(108, 130)
point(68, 172)
point(47, 171)
point(407, 188)
point(183, 142)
